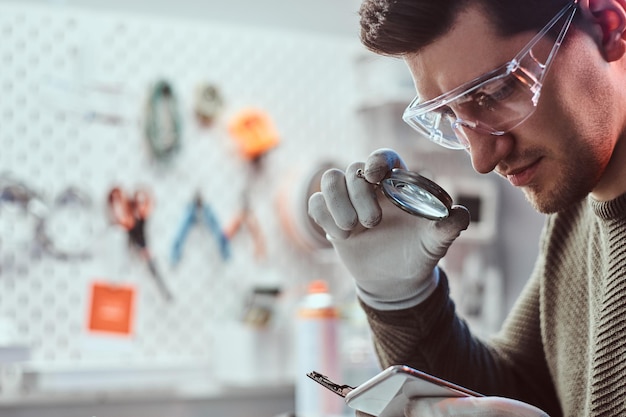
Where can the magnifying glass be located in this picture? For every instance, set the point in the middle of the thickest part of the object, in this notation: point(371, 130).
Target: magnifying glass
point(415, 194)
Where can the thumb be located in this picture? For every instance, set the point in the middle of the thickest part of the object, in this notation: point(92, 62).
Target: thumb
point(451, 227)
point(444, 232)
point(380, 162)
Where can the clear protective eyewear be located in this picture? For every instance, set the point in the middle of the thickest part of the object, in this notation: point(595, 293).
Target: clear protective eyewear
point(494, 103)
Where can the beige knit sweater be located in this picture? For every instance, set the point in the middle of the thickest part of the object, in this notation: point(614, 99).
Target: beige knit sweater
point(563, 346)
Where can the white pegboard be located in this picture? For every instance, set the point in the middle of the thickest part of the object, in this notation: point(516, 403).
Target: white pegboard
point(59, 65)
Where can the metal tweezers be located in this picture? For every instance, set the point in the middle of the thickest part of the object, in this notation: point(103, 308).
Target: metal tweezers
point(341, 390)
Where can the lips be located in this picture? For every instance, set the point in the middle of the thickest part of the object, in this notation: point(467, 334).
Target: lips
point(523, 176)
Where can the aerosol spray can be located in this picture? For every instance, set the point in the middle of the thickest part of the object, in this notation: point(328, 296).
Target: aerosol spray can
point(317, 349)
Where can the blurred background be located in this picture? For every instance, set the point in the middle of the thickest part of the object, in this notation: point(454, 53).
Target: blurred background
point(156, 258)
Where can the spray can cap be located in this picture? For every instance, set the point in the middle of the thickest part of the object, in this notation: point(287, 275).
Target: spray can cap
point(317, 286)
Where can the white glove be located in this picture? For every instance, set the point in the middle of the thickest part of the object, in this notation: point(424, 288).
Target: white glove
point(391, 254)
point(468, 407)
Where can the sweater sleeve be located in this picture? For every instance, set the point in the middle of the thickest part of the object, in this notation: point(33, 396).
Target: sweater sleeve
point(433, 338)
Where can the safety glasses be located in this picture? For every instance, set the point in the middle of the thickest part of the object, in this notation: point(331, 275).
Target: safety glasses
point(494, 103)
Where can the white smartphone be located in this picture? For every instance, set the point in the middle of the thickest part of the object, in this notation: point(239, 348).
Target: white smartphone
point(386, 394)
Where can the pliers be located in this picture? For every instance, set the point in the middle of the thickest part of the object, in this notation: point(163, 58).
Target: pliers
point(197, 211)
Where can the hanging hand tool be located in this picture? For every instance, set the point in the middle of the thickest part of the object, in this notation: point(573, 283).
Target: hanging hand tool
point(199, 211)
point(246, 215)
point(131, 213)
point(163, 126)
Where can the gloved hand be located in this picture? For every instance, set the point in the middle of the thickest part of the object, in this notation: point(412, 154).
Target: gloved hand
point(468, 407)
point(391, 254)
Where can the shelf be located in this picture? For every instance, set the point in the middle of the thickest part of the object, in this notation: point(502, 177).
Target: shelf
point(14, 353)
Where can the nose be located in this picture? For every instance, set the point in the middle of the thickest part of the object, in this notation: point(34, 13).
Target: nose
point(487, 150)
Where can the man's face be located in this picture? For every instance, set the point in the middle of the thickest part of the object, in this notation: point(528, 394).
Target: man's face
point(560, 153)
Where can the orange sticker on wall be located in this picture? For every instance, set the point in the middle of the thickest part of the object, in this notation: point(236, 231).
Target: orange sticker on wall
point(111, 308)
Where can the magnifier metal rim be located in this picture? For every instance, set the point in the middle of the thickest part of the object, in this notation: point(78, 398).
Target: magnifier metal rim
point(414, 179)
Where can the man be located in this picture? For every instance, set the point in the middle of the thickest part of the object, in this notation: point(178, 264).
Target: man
point(534, 90)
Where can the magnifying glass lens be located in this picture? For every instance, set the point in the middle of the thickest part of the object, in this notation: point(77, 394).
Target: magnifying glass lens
point(417, 195)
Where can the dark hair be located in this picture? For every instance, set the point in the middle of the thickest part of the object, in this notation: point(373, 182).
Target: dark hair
point(398, 27)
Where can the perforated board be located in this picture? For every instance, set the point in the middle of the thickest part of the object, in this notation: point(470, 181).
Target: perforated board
point(59, 66)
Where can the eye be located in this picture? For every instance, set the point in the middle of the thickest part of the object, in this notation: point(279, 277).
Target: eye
point(489, 95)
point(446, 112)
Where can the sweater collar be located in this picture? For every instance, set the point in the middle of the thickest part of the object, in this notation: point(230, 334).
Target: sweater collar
point(609, 210)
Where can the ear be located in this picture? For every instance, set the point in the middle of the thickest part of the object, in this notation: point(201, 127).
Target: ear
point(609, 18)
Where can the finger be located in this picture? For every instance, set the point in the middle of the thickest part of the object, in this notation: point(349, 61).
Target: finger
point(424, 407)
point(451, 227)
point(333, 187)
point(380, 163)
point(444, 232)
point(318, 211)
point(363, 197)
point(362, 414)
point(471, 407)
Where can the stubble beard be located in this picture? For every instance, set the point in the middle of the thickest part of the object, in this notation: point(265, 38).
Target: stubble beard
point(567, 187)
